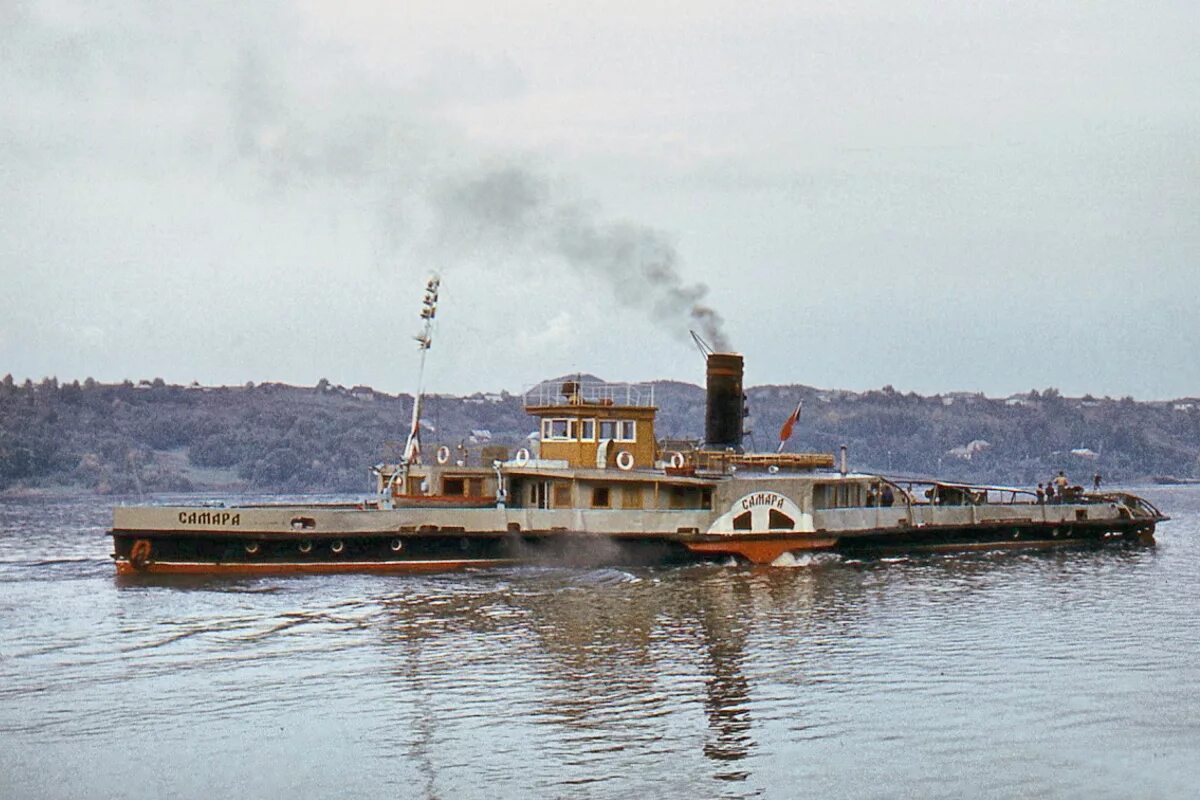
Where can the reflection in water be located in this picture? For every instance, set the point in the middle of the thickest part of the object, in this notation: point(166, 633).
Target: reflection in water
point(608, 657)
point(723, 626)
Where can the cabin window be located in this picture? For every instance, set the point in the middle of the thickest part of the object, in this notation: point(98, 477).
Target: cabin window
point(780, 522)
point(742, 521)
point(539, 495)
point(600, 497)
point(453, 486)
point(706, 498)
point(678, 497)
point(587, 430)
point(562, 495)
point(631, 497)
point(626, 430)
point(608, 429)
point(820, 496)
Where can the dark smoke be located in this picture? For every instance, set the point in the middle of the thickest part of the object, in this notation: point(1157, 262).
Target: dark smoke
point(514, 206)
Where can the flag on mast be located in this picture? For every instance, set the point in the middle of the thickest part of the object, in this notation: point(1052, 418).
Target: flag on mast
point(785, 432)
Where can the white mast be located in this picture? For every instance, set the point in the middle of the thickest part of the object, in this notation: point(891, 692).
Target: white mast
point(412, 447)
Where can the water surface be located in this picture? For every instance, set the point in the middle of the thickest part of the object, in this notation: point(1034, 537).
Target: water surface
point(1065, 674)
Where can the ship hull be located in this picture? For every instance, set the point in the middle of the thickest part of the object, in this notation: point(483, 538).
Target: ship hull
point(370, 541)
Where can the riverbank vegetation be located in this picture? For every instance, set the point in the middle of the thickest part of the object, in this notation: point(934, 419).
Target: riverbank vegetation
point(150, 436)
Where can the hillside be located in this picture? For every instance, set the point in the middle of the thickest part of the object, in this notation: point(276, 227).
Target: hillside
point(126, 438)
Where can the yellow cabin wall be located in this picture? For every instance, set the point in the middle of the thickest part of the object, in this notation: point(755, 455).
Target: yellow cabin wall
point(583, 453)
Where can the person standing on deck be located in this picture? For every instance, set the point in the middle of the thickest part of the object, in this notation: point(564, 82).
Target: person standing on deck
point(1049, 491)
point(1061, 483)
point(1096, 482)
point(1041, 495)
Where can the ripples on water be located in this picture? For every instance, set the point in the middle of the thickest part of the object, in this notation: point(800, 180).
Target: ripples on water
point(1067, 674)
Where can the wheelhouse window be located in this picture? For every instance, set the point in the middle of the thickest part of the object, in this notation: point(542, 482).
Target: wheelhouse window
point(562, 430)
point(620, 430)
point(587, 430)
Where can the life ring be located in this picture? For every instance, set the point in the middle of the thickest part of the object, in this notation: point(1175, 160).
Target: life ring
point(139, 554)
point(397, 545)
point(443, 454)
point(337, 546)
point(676, 459)
point(251, 548)
point(521, 458)
point(625, 460)
point(305, 547)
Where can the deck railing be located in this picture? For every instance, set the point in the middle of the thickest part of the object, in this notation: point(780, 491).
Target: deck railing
point(575, 393)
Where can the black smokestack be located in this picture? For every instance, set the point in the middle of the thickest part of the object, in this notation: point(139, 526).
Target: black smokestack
point(726, 403)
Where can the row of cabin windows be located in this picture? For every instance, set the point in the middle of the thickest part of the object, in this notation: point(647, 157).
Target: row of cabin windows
point(631, 497)
point(617, 496)
point(585, 430)
point(845, 494)
point(464, 487)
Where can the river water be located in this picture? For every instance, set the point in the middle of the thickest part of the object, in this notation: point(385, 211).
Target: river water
point(1053, 674)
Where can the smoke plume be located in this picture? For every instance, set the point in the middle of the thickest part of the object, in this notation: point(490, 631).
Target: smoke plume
point(519, 208)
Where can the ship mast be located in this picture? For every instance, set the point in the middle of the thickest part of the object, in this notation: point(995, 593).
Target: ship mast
point(412, 447)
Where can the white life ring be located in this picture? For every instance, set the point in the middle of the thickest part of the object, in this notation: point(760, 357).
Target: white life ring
point(521, 458)
point(443, 454)
point(625, 460)
point(676, 459)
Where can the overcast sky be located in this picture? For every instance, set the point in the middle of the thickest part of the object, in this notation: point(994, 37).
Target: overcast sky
point(989, 196)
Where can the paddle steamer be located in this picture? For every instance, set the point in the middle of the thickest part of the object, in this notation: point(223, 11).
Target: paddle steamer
point(597, 487)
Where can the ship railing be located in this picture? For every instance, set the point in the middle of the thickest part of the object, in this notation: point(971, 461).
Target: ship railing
point(575, 393)
point(1138, 506)
point(935, 492)
point(931, 492)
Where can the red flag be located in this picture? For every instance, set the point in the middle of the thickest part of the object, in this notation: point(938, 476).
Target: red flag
point(785, 432)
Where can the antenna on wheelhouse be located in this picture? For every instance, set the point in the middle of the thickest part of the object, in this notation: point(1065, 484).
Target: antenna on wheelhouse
point(412, 447)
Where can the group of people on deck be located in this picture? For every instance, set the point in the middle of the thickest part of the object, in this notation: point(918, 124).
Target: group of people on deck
point(1059, 490)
